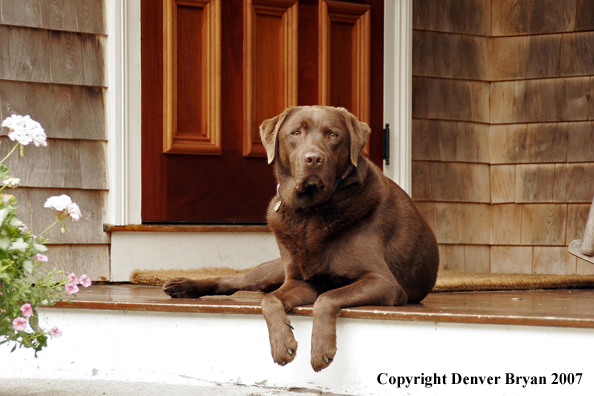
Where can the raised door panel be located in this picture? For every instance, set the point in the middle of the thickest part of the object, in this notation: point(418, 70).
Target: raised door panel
point(270, 65)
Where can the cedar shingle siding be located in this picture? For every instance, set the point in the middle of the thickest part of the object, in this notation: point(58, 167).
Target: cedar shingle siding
point(503, 130)
point(53, 67)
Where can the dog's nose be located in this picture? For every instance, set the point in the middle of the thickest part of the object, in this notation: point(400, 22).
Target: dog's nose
point(313, 159)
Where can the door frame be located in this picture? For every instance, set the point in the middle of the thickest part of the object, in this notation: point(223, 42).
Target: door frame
point(125, 88)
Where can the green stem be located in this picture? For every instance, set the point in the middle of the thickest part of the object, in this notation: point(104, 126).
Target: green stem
point(11, 151)
point(46, 230)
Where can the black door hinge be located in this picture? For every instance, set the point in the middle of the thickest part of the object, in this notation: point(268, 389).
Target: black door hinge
point(387, 144)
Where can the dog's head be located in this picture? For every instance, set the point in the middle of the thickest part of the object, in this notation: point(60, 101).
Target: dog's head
point(313, 147)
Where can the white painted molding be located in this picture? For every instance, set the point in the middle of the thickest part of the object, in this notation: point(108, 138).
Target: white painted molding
point(124, 111)
point(398, 89)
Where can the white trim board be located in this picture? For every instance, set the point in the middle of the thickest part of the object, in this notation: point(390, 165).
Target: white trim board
point(188, 250)
point(230, 350)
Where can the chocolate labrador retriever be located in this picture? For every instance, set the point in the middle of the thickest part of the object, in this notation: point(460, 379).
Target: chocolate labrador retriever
point(348, 236)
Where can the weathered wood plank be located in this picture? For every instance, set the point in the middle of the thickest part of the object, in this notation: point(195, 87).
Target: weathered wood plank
point(88, 230)
point(577, 216)
point(553, 260)
point(543, 53)
point(22, 13)
point(460, 182)
point(518, 17)
point(580, 144)
point(584, 267)
point(427, 209)
point(561, 99)
point(449, 55)
point(463, 223)
point(28, 54)
point(510, 17)
point(507, 144)
point(421, 181)
point(435, 140)
point(503, 183)
point(90, 112)
point(511, 259)
point(585, 15)
point(550, 16)
point(547, 142)
point(60, 15)
point(573, 182)
point(91, 16)
point(64, 111)
point(466, 16)
point(501, 102)
point(577, 54)
point(66, 58)
point(477, 258)
point(92, 260)
point(544, 224)
point(451, 257)
point(65, 164)
point(94, 60)
point(507, 58)
point(450, 99)
point(93, 164)
point(506, 224)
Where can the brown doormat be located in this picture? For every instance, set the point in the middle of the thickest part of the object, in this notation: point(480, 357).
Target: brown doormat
point(447, 281)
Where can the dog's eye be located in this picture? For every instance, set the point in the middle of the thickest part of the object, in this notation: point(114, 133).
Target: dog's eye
point(296, 133)
point(333, 135)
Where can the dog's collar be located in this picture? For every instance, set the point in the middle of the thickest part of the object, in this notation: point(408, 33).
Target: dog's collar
point(336, 185)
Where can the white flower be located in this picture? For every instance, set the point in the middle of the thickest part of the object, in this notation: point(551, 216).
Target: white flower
point(58, 203)
point(12, 182)
point(25, 130)
point(64, 205)
point(74, 211)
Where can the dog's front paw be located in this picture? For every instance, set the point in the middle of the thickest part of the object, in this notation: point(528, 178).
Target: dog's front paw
point(322, 352)
point(185, 288)
point(283, 346)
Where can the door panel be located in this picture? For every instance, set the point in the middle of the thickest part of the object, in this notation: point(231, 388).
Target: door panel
point(213, 70)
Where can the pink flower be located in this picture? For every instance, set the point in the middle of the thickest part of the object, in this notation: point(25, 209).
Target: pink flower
point(55, 332)
point(71, 288)
point(19, 323)
point(27, 310)
point(42, 257)
point(73, 278)
point(64, 206)
point(85, 280)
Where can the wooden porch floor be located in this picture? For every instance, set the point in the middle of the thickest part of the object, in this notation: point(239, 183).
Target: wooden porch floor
point(562, 308)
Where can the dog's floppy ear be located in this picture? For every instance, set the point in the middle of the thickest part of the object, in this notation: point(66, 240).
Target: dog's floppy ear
point(269, 132)
point(359, 132)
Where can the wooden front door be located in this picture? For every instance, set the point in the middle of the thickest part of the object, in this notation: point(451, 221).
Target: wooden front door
point(213, 70)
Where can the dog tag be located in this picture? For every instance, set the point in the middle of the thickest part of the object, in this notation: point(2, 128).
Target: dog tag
point(277, 206)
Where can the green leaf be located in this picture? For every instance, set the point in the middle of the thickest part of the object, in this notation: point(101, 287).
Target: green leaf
point(28, 266)
point(40, 248)
point(34, 322)
point(15, 222)
point(3, 171)
point(5, 243)
point(3, 214)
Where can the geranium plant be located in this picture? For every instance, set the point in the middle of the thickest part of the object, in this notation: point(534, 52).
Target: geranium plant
point(24, 284)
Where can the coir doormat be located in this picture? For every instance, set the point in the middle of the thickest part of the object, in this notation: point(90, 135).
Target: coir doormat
point(447, 281)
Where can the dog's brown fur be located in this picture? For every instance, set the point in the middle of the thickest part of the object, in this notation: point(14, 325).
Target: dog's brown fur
point(343, 243)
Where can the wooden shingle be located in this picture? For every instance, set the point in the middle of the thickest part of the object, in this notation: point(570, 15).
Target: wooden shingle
point(456, 16)
point(60, 15)
point(28, 52)
point(460, 182)
point(577, 54)
point(580, 145)
point(66, 58)
point(506, 224)
point(511, 259)
point(503, 183)
point(477, 258)
point(553, 260)
point(585, 15)
point(544, 224)
point(22, 12)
